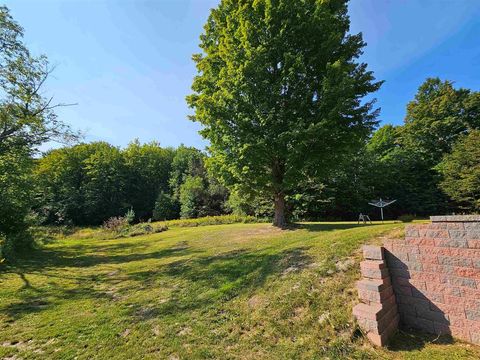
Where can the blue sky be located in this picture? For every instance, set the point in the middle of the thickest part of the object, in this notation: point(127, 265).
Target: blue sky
point(128, 63)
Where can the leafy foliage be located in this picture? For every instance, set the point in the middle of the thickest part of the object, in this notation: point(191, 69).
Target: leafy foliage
point(461, 172)
point(149, 167)
point(27, 119)
point(166, 207)
point(277, 81)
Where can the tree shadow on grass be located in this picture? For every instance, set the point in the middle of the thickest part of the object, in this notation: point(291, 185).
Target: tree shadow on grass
point(203, 281)
point(40, 260)
point(89, 285)
point(315, 227)
point(219, 278)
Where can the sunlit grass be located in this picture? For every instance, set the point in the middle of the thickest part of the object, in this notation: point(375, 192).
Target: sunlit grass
point(240, 291)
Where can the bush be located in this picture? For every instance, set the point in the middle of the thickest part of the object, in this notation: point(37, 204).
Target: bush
point(129, 216)
point(214, 220)
point(116, 224)
point(145, 228)
point(407, 218)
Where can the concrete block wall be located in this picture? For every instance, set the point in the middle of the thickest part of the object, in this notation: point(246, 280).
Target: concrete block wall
point(435, 276)
point(377, 313)
point(435, 273)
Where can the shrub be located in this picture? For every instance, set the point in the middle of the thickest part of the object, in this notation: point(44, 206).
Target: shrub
point(145, 228)
point(129, 216)
point(115, 224)
point(214, 220)
point(407, 218)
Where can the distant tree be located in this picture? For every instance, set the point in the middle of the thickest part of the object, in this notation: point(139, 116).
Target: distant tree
point(104, 187)
point(187, 161)
point(60, 177)
point(437, 117)
point(279, 92)
point(192, 195)
point(148, 168)
point(202, 197)
point(83, 184)
point(166, 207)
point(402, 173)
point(461, 172)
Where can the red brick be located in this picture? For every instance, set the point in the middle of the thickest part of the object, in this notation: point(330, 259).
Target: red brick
point(411, 231)
point(455, 261)
point(473, 234)
point(437, 234)
point(369, 296)
point(473, 243)
point(449, 309)
point(460, 281)
point(469, 293)
point(373, 252)
point(427, 277)
point(453, 300)
point(473, 325)
point(422, 241)
point(467, 272)
point(455, 226)
point(423, 258)
point(418, 284)
point(475, 338)
point(472, 226)
point(374, 269)
point(373, 284)
point(431, 250)
point(471, 304)
point(370, 312)
point(457, 234)
point(444, 289)
point(451, 243)
point(439, 269)
point(458, 321)
point(407, 249)
point(457, 332)
point(437, 226)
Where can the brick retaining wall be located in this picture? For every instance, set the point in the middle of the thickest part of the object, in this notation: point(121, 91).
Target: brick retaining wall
point(435, 276)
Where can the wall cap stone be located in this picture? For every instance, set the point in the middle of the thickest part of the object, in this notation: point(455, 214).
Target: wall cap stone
point(455, 218)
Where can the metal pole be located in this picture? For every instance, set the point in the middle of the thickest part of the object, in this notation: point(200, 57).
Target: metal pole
point(381, 210)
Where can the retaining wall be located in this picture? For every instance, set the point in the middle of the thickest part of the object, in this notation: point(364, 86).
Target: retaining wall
point(434, 274)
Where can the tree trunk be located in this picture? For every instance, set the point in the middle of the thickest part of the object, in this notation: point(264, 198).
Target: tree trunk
point(279, 219)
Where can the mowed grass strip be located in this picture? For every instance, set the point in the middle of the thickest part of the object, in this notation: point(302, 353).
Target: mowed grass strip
point(240, 291)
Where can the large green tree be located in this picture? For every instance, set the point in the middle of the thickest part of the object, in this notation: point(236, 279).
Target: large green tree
point(280, 92)
point(27, 119)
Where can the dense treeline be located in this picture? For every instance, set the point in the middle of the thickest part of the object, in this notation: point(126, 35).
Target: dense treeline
point(430, 165)
point(89, 183)
point(405, 162)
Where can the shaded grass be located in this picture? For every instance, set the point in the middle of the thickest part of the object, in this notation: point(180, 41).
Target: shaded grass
point(241, 291)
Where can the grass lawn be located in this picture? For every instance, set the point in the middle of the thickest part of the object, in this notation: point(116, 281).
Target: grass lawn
point(241, 291)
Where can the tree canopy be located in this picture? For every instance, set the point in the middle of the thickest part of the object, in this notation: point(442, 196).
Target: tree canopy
point(461, 172)
point(279, 92)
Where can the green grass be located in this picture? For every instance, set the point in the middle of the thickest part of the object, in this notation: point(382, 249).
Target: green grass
point(240, 291)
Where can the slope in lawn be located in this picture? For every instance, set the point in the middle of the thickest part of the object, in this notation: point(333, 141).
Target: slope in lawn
point(244, 291)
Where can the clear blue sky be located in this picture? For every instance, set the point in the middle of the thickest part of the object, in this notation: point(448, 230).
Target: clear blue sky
point(128, 63)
